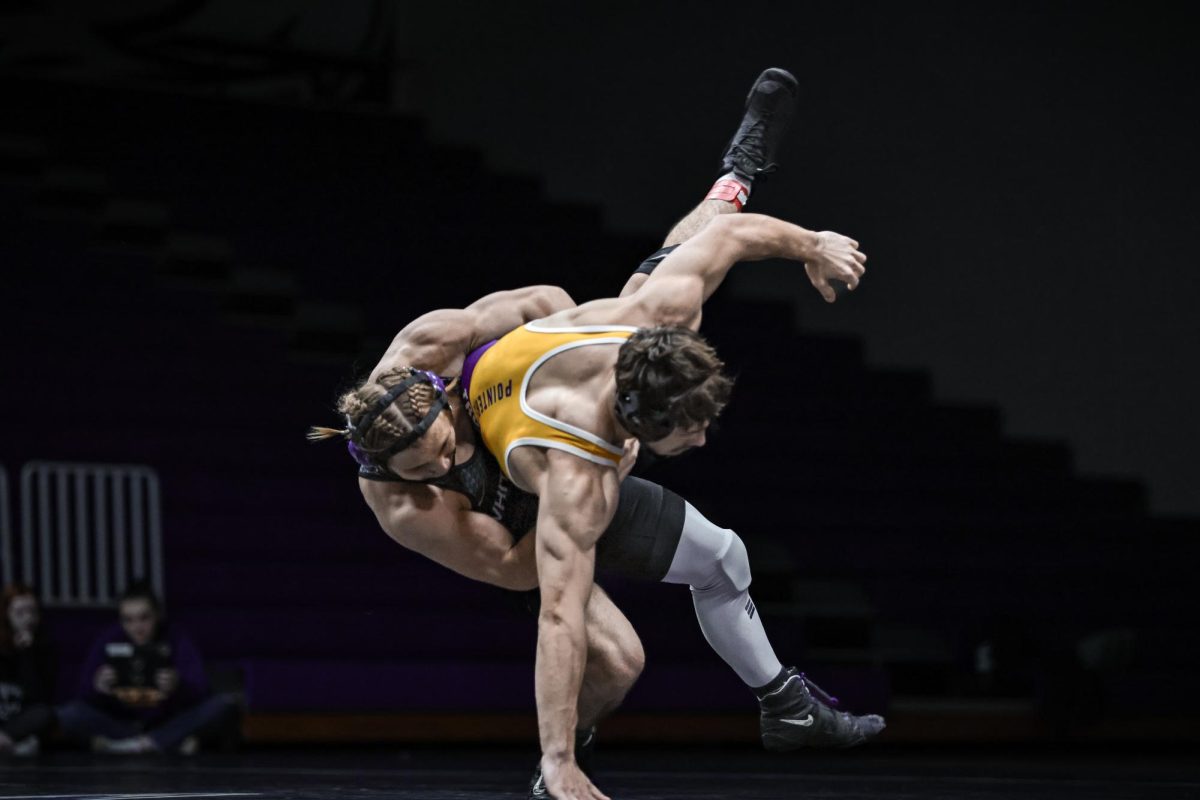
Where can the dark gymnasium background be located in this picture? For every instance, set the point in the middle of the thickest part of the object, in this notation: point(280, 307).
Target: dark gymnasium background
point(968, 489)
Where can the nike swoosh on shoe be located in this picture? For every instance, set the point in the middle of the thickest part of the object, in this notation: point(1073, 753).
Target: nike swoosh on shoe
point(806, 722)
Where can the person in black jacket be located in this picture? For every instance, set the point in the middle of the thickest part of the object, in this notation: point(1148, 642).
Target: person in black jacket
point(27, 673)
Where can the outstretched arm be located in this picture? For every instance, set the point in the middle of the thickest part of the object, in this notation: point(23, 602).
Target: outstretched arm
point(677, 289)
point(577, 502)
point(440, 340)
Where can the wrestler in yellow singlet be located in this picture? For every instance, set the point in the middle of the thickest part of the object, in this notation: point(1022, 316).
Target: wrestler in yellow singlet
point(500, 380)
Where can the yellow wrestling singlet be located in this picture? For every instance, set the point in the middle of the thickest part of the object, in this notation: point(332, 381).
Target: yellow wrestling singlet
point(499, 381)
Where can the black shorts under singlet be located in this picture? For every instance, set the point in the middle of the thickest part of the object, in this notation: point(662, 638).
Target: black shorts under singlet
point(641, 540)
point(639, 543)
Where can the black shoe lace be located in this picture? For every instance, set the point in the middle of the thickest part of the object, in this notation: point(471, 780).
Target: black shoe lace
point(750, 148)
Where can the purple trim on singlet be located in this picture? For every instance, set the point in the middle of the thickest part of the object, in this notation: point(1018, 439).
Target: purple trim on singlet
point(469, 363)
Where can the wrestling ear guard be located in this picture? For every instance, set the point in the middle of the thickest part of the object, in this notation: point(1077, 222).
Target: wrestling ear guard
point(649, 426)
point(357, 432)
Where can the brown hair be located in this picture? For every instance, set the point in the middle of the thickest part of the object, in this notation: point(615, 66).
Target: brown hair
point(677, 376)
point(11, 592)
point(404, 414)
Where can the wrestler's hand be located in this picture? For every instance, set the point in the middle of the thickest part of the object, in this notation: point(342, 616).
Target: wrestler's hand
point(835, 258)
point(628, 459)
point(566, 781)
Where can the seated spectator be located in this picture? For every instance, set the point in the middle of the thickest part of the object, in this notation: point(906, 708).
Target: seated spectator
point(143, 687)
point(27, 672)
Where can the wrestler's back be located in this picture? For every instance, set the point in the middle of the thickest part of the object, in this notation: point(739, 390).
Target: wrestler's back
point(569, 388)
point(541, 386)
point(578, 386)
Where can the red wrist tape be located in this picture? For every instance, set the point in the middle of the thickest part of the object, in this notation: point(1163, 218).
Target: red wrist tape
point(730, 191)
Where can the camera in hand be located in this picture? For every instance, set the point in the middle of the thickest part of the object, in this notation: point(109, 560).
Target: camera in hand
point(136, 665)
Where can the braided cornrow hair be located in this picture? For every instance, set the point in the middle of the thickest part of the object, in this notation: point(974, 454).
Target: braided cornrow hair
point(394, 422)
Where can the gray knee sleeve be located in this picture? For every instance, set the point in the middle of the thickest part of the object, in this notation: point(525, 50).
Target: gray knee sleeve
point(735, 563)
point(709, 557)
point(713, 561)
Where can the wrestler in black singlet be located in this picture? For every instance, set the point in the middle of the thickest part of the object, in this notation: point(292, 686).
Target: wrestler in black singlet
point(480, 480)
point(639, 542)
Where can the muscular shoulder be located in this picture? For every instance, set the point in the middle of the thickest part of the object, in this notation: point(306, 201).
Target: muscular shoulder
point(436, 341)
point(671, 300)
point(605, 311)
point(576, 388)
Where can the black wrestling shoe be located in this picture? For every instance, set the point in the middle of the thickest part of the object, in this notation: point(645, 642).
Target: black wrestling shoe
point(585, 748)
point(770, 106)
point(792, 717)
point(537, 785)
